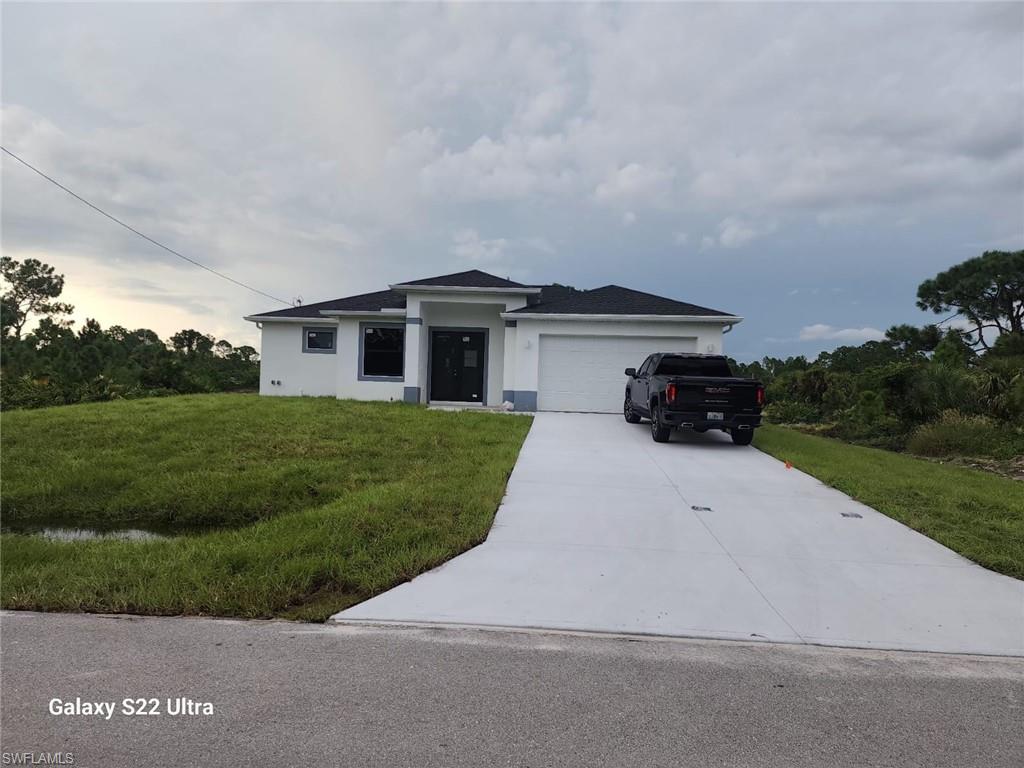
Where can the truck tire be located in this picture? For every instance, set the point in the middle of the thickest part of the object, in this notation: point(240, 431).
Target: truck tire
point(659, 432)
point(631, 416)
point(742, 436)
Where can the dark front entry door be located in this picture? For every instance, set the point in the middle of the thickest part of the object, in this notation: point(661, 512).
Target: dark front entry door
point(457, 366)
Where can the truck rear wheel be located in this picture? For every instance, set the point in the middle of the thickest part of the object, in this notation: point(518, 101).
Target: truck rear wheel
point(742, 436)
point(659, 432)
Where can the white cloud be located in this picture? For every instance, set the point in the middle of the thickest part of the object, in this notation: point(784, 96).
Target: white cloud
point(635, 183)
point(516, 167)
point(468, 245)
point(822, 332)
point(543, 107)
point(734, 232)
point(680, 238)
point(501, 255)
point(629, 218)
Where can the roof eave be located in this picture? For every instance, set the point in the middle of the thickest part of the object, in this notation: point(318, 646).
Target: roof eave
point(406, 288)
point(286, 319)
point(390, 311)
point(712, 319)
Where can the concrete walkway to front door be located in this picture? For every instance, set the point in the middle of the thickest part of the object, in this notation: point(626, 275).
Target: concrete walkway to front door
point(604, 530)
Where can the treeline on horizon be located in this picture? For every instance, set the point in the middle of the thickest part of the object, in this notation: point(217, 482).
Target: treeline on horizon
point(54, 364)
point(936, 390)
point(950, 388)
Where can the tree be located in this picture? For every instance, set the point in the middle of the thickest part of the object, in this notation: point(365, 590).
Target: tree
point(953, 351)
point(1008, 345)
point(246, 354)
point(54, 365)
point(192, 342)
point(910, 340)
point(50, 333)
point(988, 290)
point(90, 332)
point(8, 316)
point(144, 337)
point(32, 289)
point(854, 359)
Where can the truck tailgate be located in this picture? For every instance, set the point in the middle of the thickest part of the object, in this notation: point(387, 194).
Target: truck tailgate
point(713, 394)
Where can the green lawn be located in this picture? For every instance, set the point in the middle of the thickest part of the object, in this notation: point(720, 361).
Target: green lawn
point(294, 507)
point(978, 514)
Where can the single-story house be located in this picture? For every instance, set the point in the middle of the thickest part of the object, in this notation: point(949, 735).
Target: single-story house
point(472, 337)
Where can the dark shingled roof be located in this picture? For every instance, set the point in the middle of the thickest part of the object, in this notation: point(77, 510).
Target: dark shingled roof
point(611, 300)
point(472, 278)
point(551, 293)
point(553, 299)
point(364, 302)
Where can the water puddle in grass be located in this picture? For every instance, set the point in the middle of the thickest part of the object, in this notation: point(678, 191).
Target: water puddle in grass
point(60, 533)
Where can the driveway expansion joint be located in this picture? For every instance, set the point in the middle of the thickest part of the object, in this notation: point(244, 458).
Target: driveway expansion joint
point(746, 575)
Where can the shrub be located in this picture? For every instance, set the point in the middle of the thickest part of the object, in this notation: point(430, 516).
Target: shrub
point(953, 352)
point(870, 409)
point(868, 423)
point(1002, 387)
point(959, 434)
point(24, 392)
point(943, 388)
point(791, 412)
point(842, 390)
point(1013, 400)
point(916, 393)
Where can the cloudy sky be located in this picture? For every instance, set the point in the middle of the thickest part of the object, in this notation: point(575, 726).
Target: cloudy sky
point(802, 166)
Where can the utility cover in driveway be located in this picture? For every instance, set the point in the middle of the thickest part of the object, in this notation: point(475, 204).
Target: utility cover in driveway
point(603, 530)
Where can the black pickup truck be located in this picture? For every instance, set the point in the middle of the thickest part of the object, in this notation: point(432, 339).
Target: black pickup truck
point(696, 391)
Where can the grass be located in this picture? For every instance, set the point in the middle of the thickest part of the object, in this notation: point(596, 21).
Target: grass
point(977, 514)
point(316, 503)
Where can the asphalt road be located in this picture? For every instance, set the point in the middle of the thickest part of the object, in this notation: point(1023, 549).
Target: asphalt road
point(308, 695)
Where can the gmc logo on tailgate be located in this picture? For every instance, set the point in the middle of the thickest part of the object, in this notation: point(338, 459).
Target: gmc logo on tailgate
point(716, 390)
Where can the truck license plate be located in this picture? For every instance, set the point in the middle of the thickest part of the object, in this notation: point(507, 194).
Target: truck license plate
point(715, 416)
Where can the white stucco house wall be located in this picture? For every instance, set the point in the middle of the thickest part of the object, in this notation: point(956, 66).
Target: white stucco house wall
point(475, 338)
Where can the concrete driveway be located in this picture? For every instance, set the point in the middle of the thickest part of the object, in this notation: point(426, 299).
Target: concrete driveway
point(604, 530)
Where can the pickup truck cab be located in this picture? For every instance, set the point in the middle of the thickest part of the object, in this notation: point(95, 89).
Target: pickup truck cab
point(699, 392)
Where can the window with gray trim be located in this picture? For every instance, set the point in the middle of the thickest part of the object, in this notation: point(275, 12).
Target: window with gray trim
point(319, 340)
point(382, 351)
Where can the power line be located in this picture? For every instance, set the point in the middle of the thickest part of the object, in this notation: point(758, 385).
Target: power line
point(141, 234)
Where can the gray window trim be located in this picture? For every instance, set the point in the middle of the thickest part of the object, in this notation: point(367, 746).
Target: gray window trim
point(334, 332)
point(458, 329)
point(359, 360)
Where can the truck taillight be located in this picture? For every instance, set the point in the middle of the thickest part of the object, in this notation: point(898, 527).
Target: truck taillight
point(670, 392)
point(760, 395)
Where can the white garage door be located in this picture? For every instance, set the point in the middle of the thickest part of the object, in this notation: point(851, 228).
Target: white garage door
point(584, 373)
